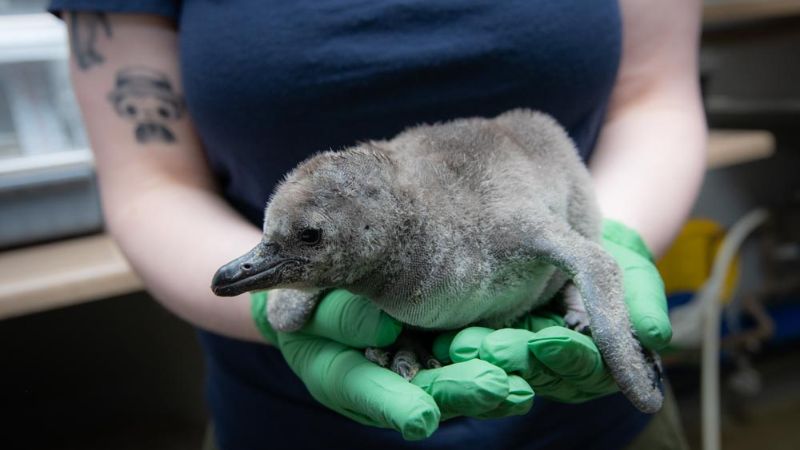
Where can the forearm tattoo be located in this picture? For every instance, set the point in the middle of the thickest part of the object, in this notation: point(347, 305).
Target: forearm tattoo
point(84, 30)
point(146, 98)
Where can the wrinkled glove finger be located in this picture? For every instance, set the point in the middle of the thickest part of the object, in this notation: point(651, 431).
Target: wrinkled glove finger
point(507, 348)
point(572, 357)
point(442, 344)
point(520, 395)
point(352, 320)
point(538, 321)
point(563, 392)
point(647, 305)
point(342, 379)
point(517, 403)
point(644, 288)
point(467, 343)
point(472, 388)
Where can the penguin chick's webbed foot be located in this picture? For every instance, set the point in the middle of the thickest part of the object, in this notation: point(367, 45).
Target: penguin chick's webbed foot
point(407, 356)
point(575, 315)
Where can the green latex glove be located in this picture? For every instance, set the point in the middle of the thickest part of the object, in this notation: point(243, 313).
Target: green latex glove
point(327, 355)
point(560, 363)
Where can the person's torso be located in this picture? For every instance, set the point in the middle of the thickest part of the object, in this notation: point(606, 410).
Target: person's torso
point(269, 83)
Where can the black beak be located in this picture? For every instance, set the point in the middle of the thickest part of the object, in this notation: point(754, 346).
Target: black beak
point(258, 269)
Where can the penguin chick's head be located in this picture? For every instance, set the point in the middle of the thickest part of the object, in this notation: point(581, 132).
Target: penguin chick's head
point(329, 223)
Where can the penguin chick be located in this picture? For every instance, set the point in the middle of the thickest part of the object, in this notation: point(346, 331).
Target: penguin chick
point(469, 222)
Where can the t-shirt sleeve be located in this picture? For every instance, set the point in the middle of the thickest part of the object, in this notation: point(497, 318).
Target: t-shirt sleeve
point(165, 8)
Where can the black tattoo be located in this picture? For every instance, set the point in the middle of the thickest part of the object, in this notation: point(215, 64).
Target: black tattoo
point(146, 97)
point(84, 30)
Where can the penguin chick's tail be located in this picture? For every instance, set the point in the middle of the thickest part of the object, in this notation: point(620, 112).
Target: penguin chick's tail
point(598, 278)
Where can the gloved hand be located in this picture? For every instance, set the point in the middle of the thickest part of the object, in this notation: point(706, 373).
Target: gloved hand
point(560, 363)
point(327, 355)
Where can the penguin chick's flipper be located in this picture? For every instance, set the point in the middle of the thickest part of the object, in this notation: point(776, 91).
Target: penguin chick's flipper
point(289, 309)
point(598, 278)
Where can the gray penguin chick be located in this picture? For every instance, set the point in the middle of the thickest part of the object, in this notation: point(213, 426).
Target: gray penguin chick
point(473, 221)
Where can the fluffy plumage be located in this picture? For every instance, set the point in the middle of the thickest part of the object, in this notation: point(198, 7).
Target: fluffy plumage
point(473, 221)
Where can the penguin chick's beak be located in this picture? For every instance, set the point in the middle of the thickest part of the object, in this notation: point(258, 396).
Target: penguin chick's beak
point(258, 269)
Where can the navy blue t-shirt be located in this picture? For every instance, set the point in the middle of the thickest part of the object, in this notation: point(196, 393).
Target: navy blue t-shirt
point(268, 83)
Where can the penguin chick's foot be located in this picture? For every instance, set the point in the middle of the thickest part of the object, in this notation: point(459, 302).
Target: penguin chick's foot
point(576, 316)
point(407, 356)
point(379, 356)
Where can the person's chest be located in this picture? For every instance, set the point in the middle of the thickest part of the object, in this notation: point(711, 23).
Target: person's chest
point(270, 82)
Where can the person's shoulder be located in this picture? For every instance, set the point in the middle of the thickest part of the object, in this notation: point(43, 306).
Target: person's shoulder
point(169, 9)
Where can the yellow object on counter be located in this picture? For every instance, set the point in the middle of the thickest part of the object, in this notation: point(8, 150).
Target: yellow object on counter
point(687, 263)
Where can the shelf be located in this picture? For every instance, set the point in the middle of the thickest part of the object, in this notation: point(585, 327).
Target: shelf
point(32, 37)
point(720, 12)
point(31, 170)
point(729, 147)
point(59, 274)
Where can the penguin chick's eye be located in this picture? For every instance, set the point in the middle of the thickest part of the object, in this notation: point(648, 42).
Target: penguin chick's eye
point(310, 236)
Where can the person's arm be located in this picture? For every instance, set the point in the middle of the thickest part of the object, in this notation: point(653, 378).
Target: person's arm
point(650, 158)
point(159, 198)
